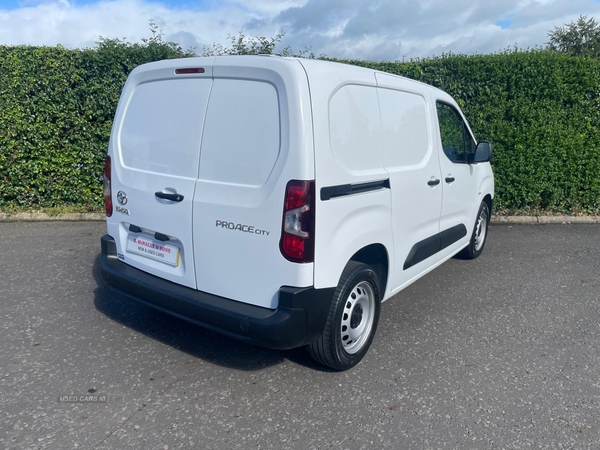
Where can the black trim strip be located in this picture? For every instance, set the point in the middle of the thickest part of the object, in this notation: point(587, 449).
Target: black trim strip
point(452, 235)
point(434, 244)
point(342, 190)
point(422, 250)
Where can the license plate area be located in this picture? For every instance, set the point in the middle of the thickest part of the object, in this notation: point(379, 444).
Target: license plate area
point(153, 249)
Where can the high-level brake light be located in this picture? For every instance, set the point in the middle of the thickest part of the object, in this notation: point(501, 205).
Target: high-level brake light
point(189, 70)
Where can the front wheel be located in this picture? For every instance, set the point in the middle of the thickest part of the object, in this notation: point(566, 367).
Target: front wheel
point(352, 319)
point(475, 247)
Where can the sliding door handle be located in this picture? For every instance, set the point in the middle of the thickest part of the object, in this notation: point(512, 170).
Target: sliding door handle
point(433, 182)
point(450, 179)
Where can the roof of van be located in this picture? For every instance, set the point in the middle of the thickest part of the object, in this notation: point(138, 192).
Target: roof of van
point(311, 66)
point(318, 62)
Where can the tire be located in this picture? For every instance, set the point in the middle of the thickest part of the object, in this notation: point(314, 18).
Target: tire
point(480, 232)
point(352, 319)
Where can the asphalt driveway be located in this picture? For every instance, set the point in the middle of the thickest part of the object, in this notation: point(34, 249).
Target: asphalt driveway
point(500, 352)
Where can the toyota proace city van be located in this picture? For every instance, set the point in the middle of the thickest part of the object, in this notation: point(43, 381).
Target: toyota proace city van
point(280, 201)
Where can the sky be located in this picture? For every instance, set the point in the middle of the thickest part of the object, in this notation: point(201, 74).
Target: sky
point(357, 29)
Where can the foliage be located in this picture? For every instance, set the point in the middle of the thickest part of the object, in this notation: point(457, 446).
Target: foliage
point(243, 45)
point(56, 111)
point(578, 38)
point(259, 45)
point(541, 110)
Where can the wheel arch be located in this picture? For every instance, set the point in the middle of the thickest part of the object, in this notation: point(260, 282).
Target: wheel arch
point(486, 191)
point(490, 202)
point(376, 256)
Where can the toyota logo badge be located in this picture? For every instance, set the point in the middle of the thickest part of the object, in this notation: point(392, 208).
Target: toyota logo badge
point(122, 197)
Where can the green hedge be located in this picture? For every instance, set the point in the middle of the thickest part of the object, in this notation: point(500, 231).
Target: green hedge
point(541, 110)
point(56, 111)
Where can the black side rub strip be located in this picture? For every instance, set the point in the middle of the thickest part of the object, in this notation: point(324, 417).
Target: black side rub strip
point(430, 246)
point(351, 189)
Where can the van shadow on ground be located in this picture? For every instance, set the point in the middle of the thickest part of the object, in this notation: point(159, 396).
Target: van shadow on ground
point(189, 338)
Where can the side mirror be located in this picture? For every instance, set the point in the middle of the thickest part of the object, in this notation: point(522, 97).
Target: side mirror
point(483, 153)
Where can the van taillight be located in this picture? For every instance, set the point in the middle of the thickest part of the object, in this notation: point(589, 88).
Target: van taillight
point(298, 232)
point(108, 206)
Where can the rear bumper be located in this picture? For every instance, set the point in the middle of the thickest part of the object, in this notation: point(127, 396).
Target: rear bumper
point(298, 320)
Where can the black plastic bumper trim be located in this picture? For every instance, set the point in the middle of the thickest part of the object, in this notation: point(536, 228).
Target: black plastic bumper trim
point(298, 320)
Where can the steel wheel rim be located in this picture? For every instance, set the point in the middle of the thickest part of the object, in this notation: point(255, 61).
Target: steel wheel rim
point(481, 230)
point(358, 317)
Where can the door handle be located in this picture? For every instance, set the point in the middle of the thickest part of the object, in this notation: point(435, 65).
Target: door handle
point(169, 196)
point(450, 179)
point(433, 182)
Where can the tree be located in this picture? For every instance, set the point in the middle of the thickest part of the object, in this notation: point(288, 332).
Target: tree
point(580, 37)
point(244, 45)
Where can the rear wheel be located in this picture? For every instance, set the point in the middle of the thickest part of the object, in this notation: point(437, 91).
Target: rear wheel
point(352, 319)
point(475, 247)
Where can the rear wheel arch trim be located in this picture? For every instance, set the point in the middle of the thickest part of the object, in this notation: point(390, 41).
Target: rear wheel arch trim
point(376, 256)
point(490, 202)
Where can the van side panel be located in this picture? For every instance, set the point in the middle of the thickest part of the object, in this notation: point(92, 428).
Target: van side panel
point(257, 137)
point(354, 128)
point(412, 159)
point(348, 152)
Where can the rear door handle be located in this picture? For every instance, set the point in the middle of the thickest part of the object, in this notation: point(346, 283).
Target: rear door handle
point(450, 179)
point(433, 182)
point(169, 196)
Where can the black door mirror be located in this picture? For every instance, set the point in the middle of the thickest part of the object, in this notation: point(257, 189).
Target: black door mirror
point(483, 153)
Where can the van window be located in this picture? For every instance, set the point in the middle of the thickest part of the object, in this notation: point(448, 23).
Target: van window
point(355, 127)
point(162, 126)
point(405, 131)
point(242, 133)
point(456, 139)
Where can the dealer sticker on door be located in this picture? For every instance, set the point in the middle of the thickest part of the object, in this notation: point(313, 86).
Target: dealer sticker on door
point(157, 250)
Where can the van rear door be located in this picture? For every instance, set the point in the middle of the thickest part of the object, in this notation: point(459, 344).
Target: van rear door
point(155, 151)
point(257, 137)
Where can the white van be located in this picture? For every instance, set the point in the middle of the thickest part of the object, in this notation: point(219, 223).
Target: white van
point(281, 200)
